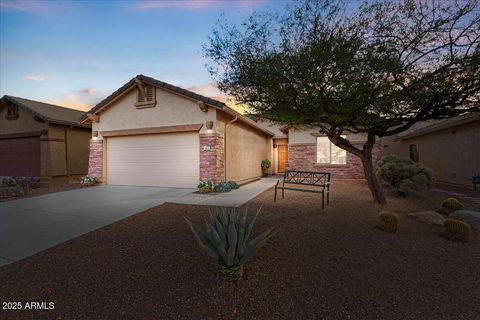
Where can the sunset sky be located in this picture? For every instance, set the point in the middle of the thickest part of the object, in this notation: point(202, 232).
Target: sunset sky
point(75, 53)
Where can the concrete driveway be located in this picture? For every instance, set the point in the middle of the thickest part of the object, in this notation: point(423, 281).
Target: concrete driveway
point(30, 225)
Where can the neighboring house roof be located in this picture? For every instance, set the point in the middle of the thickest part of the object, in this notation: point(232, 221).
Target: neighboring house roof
point(439, 125)
point(48, 112)
point(177, 90)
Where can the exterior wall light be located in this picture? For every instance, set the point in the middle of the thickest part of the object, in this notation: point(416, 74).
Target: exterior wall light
point(209, 125)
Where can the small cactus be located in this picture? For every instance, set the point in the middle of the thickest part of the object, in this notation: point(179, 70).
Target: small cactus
point(452, 204)
point(456, 230)
point(389, 221)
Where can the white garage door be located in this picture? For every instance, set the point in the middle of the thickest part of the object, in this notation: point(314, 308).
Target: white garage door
point(165, 160)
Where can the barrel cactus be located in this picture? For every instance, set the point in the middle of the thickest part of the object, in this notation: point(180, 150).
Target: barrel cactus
point(389, 221)
point(226, 239)
point(456, 230)
point(452, 204)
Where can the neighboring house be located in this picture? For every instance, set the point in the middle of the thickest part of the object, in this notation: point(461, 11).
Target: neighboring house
point(450, 147)
point(309, 150)
point(150, 133)
point(40, 139)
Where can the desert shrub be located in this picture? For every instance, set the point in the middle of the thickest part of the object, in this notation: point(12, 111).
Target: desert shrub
point(456, 230)
point(222, 187)
point(389, 221)
point(404, 174)
point(452, 204)
point(233, 185)
point(226, 239)
point(205, 186)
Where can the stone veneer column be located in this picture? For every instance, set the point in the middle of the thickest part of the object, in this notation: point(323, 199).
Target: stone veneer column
point(95, 159)
point(212, 152)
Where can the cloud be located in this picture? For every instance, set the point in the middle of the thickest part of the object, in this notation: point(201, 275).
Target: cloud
point(34, 78)
point(89, 91)
point(83, 99)
point(194, 4)
point(210, 90)
point(28, 6)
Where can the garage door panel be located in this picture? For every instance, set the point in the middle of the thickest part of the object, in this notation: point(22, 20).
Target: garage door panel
point(20, 157)
point(166, 160)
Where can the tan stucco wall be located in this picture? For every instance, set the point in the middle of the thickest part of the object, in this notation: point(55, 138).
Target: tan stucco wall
point(24, 123)
point(171, 109)
point(245, 149)
point(78, 150)
point(453, 157)
point(53, 152)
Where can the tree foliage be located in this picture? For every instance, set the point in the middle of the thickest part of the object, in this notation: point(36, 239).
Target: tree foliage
point(375, 68)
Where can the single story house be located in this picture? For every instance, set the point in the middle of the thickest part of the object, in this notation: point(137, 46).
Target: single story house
point(150, 133)
point(307, 149)
point(451, 147)
point(41, 139)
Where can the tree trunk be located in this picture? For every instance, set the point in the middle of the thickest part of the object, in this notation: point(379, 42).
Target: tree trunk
point(373, 183)
point(372, 180)
point(366, 156)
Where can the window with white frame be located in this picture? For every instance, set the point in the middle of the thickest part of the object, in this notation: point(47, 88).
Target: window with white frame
point(328, 153)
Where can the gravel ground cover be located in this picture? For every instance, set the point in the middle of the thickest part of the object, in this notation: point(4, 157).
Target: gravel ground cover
point(322, 264)
point(56, 184)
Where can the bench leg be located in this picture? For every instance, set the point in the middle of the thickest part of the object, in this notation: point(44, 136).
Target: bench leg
point(275, 198)
point(283, 193)
point(328, 198)
point(323, 199)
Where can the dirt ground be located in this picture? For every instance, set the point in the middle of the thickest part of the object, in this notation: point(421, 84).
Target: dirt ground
point(322, 264)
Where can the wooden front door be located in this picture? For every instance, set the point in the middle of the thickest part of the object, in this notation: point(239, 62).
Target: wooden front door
point(282, 157)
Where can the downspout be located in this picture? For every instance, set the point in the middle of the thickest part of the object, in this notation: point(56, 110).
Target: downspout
point(225, 146)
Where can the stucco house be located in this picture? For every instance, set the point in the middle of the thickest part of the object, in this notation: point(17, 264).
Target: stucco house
point(307, 149)
point(150, 133)
point(450, 147)
point(41, 139)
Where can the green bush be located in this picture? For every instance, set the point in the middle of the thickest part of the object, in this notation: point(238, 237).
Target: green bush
point(233, 185)
point(404, 174)
point(222, 187)
point(205, 187)
point(456, 230)
point(453, 204)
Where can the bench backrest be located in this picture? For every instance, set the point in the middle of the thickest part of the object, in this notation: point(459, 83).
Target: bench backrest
point(309, 178)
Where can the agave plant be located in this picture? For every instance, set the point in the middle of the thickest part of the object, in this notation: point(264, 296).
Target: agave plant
point(226, 239)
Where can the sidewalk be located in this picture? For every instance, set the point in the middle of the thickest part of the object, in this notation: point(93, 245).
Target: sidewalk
point(234, 198)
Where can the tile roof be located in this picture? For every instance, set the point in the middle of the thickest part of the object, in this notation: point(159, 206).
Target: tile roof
point(48, 112)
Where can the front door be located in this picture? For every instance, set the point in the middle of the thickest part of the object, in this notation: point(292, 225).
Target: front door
point(282, 157)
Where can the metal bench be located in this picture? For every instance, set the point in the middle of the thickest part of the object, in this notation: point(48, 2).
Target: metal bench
point(306, 178)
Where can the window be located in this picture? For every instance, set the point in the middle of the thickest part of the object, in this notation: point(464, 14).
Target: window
point(12, 112)
point(145, 96)
point(328, 153)
point(413, 152)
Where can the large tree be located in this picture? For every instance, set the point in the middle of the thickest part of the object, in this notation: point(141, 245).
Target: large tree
point(375, 68)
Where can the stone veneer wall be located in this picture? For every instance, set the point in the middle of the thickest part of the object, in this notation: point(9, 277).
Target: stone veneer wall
point(212, 165)
point(304, 157)
point(95, 159)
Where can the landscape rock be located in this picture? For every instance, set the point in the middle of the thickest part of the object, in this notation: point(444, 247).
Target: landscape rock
point(428, 217)
point(468, 216)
